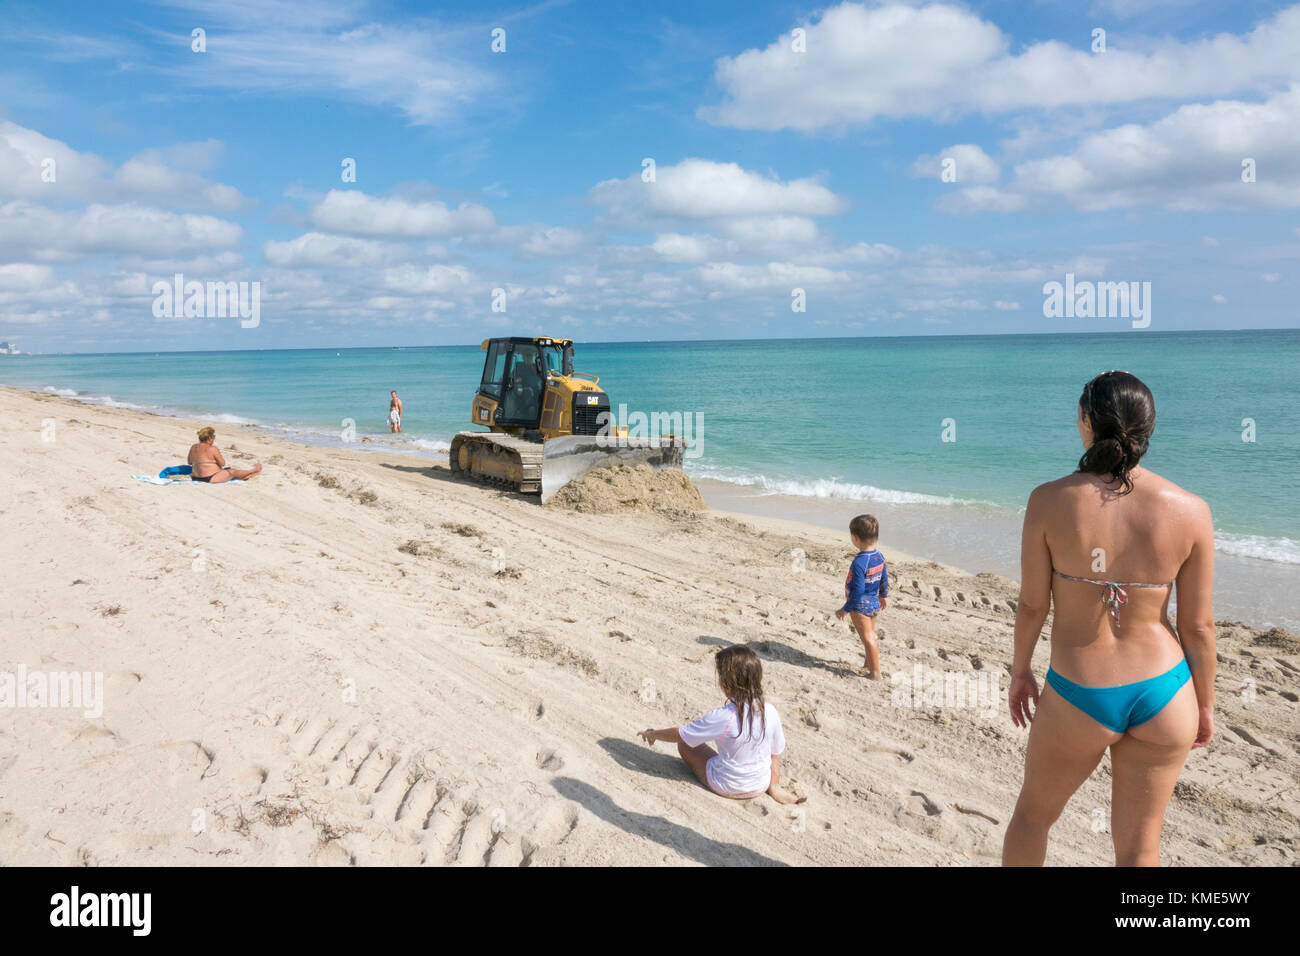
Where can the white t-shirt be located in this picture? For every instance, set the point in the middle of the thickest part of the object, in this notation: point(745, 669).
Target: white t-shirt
point(744, 763)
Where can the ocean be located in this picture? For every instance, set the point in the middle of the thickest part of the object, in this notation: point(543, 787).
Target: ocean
point(943, 436)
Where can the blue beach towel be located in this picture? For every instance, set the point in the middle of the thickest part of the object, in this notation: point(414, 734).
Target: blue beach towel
point(175, 470)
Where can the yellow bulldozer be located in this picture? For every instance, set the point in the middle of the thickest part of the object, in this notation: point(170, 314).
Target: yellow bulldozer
point(547, 424)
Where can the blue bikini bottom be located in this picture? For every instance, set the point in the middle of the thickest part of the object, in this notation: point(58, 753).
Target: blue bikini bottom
point(1127, 705)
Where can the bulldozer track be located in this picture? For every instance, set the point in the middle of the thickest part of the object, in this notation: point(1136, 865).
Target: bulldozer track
point(482, 446)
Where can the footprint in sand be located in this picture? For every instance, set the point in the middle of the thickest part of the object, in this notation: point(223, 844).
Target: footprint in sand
point(123, 682)
point(550, 761)
point(918, 803)
point(189, 758)
point(251, 779)
point(970, 811)
point(99, 739)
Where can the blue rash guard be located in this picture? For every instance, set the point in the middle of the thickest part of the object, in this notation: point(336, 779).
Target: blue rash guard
point(867, 583)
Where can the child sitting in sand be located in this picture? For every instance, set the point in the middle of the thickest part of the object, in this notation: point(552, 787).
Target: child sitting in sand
point(866, 589)
point(747, 729)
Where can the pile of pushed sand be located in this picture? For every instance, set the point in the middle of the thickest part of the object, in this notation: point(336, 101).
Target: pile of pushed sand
point(617, 488)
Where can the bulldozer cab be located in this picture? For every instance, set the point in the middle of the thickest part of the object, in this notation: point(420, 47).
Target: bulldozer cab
point(546, 423)
point(515, 373)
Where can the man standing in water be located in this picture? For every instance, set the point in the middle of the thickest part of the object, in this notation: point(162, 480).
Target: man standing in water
point(394, 413)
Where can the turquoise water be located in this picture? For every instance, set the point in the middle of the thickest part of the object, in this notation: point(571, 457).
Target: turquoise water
point(820, 418)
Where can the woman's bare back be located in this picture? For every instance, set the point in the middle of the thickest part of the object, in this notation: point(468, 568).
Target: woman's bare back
point(1143, 537)
point(205, 459)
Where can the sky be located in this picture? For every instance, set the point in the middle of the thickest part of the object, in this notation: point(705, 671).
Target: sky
point(433, 174)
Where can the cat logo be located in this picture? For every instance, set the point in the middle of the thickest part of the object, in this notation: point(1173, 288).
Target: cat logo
point(593, 399)
point(482, 414)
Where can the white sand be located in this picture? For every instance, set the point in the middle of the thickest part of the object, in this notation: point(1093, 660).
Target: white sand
point(452, 674)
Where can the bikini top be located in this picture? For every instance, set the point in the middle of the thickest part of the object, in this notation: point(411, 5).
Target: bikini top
point(1113, 594)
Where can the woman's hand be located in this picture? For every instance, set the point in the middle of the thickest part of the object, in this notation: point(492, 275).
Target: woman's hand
point(1206, 729)
point(841, 614)
point(1023, 689)
point(648, 736)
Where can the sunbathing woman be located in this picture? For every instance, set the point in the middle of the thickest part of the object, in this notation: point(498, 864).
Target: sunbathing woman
point(747, 762)
point(205, 458)
point(1107, 545)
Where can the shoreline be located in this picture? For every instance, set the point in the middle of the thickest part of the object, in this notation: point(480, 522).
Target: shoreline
point(358, 659)
point(971, 536)
point(1252, 590)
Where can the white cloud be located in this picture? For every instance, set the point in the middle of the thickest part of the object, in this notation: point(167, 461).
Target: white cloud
point(553, 241)
point(315, 249)
point(948, 304)
point(982, 199)
point(356, 213)
point(50, 235)
point(167, 176)
point(893, 60)
point(217, 263)
point(149, 175)
point(23, 156)
point(865, 253)
point(772, 230)
point(703, 189)
point(675, 247)
point(410, 280)
point(970, 164)
point(24, 276)
point(1189, 160)
point(335, 51)
point(783, 275)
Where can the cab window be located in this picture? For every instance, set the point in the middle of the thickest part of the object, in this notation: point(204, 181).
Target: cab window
point(523, 400)
point(494, 369)
point(554, 359)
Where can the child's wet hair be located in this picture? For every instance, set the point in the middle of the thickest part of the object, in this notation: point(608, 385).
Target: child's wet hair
point(740, 674)
point(865, 528)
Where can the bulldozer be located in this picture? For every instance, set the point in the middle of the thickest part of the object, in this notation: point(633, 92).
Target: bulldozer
point(546, 424)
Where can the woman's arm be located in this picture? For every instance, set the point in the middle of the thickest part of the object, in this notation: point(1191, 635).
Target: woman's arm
point(670, 734)
point(216, 453)
point(1195, 583)
point(1031, 608)
point(1035, 599)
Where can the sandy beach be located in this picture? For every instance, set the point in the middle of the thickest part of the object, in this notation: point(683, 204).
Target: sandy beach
point(357, 659)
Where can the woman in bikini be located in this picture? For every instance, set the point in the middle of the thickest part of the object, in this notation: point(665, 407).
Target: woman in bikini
point(1106, 546)
point(209, 466)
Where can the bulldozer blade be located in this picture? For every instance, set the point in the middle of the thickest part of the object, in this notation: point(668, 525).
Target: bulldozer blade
point(570, 456)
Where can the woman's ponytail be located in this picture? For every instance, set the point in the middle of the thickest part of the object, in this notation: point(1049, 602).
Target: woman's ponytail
point(1122, 413)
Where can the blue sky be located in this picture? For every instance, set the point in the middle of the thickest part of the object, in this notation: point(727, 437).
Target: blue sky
point(783, 162)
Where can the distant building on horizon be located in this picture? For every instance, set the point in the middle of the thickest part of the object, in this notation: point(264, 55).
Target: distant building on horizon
point(9, 348)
